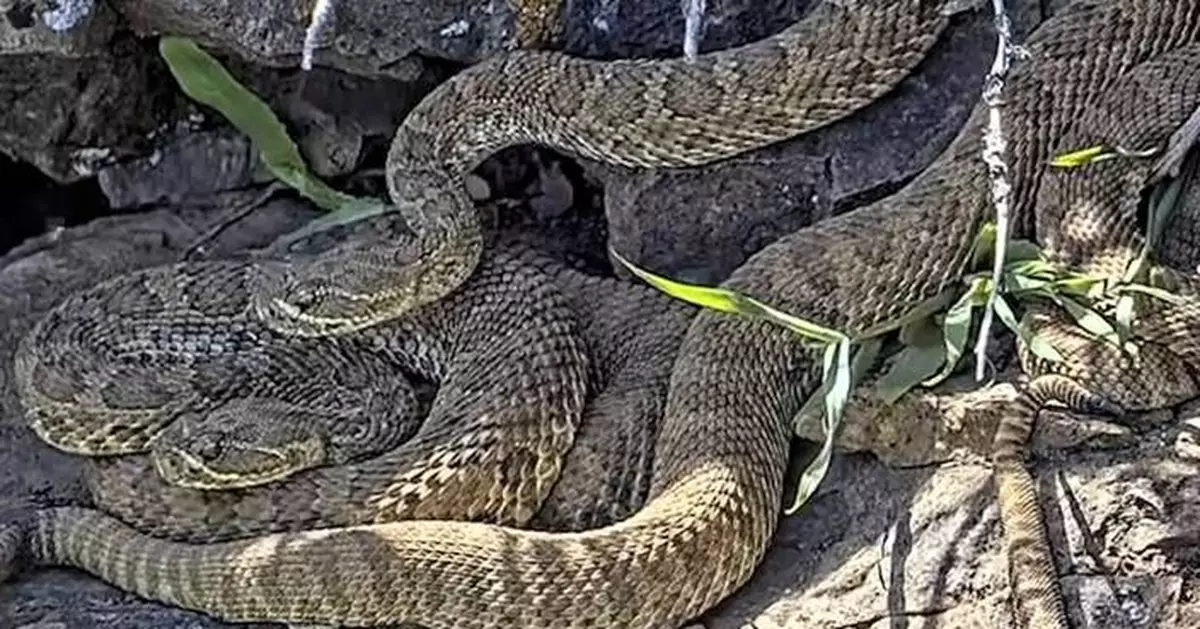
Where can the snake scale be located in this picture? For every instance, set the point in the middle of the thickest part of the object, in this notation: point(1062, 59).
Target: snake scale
point(631, 334)
point(1090, 223)
point(720, 453)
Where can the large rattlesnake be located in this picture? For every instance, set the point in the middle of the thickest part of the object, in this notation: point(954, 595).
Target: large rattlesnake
point(631, 334)
point(715, 489)
point(1089, 221)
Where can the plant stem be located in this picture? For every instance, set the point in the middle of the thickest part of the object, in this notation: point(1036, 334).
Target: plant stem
point(994, 146)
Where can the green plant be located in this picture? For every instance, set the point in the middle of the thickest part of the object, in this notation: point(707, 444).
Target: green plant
point(933, 342)
point(203, 79)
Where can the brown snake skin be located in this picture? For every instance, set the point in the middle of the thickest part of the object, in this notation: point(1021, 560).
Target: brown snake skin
point(474, 345)
point(716, 483)
point(638, 113)
point(1088, 220)
point(631, 334)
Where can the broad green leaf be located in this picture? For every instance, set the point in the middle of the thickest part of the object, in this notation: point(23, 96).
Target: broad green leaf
point(1036, 343)
point(1152, 291)
point(914, 365)
point(837, 367)
point(1077, 284)
point(719, 299)
point(923, 354)
point(1078, 158)
point(206, 81)
point(1090, 320)
point(1036, 268)
point(1004, 311)
point(956, 327)
point(1019, 283)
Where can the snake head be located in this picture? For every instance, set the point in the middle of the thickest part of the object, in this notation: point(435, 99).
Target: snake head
point(234, 446)
point(361, 283)
point(256, 441)
point(345, 290)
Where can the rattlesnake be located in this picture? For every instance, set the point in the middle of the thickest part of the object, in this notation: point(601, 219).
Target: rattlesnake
point(631, 334)
point(638, 113)
point(253, 441)
point(1089, 221)
point(722, 449)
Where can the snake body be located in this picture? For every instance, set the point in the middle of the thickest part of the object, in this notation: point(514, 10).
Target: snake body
point(238, 414)
point(630, 333)
point(475, 346)
point(1089, 222)
point(637, 113)
point(253, 441)
point(720, 454)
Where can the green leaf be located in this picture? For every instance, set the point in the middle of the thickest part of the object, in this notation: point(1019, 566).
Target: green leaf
point(1164, 201)
point(865, 355)
point(800, 326)
point(1019, 283)
point(956, 327)
point(1090, 320)
point(982, 247)
point(1036, 343)
point(719, 299)
point(923, 354)
point(1036, 268)
point(1077, 284)
point(725, 300)
point(206, 81)
point(837, 365)
point(1152, 291)
point(1124, 318)
point(1080, 157)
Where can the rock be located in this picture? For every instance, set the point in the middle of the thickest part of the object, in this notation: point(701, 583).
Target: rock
point(366, 38)
point(331, 115)
point(196, 164)
point(609, 30)
point(877, 545)
point(924, 426)
point(34, 203)
point(74, 100)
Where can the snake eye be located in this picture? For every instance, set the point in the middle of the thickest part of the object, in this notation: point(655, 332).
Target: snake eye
point(304, 299)
point(207, 446)
point(353, 429)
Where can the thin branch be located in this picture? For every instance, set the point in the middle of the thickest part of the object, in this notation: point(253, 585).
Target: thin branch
point(994, 147)
point(319, 23)
point(693, 16)
point(199, 246)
